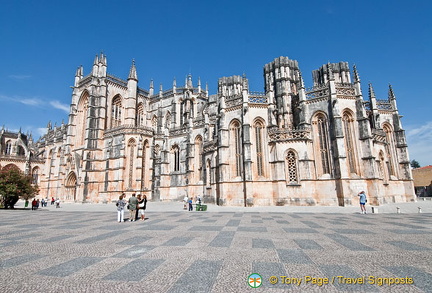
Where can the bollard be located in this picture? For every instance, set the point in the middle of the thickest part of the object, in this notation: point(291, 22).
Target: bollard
point(419, 210)
point(374, 210)
point(424, 198)
point(398, 210)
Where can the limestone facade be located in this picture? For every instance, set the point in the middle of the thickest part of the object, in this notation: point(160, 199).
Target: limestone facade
point(288, 145)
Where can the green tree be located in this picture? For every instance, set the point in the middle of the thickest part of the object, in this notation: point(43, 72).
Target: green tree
point(415, 164)
point(14, 185)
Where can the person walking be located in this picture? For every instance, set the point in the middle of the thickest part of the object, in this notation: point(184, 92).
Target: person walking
point(133, 202)
point(33, 204)
point(121, 203)
point(363, 201)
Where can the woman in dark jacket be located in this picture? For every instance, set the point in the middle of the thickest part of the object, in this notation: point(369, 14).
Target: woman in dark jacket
point(142, 204)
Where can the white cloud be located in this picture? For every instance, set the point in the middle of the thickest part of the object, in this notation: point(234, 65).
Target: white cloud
point(20, 76)
point(30, 102)
point(41, 131)
point(420, 143)
point(58, 105)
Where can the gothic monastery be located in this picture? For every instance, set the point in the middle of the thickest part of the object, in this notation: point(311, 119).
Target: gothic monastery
point(288, 145)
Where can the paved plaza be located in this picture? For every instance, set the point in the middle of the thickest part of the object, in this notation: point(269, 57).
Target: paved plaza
point(82, 248)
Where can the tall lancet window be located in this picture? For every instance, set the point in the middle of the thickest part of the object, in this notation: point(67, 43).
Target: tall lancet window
point(259, 132)
point(131, 146)
point(348, 124)
point(140, 114)
point(116, 111)
point(291, 169)
point(144, 165)
point(321, 142)
point(236, 146)
point(381, 166)
point(8, 150)
point(81, 119)
point(390, 149)
point(176, 156)
point(168, 120)
point(198, 152)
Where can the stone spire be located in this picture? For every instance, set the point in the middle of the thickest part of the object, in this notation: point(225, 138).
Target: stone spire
point(391, 95)
point(189, 81)
point(174, 85)
point(371, 92)
point(151, 90)
point(132, 71)
point(356, 75)
point(392, 98)
point(330, 71)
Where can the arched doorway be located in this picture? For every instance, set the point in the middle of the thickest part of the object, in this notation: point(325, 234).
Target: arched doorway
point(71, 183)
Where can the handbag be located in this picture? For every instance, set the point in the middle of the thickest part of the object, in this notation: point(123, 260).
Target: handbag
point(127, 207)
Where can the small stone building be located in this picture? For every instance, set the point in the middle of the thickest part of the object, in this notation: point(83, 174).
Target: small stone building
point(287, 145)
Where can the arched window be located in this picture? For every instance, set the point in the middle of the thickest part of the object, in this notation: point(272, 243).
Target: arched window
point(381, 168)
point(140, 114)
point(198, 151)
point(131, 146)
point(291, 169)
point(176, 154)
point(168, 120)
point(144, 165)
point(321, 144)
point(35, 175)
point(390, 149)
point(8, 150)
point(259, 133)
point(154, 122)
point(81, 119)
point(348, 124)
point(208, 175)
point(116, 111)
point(236, 146)
point(21, 151)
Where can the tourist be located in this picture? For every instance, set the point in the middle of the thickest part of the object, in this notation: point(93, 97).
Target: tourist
point(42, 203)
point(34, 204)
point(185, 199)
point(190, 204)
point(142, 204)
point(121, 203)
point(138, 207)
point(57, 202)
point(37, 203)
point(52, 200)
point(133, 202)
point(363, 201)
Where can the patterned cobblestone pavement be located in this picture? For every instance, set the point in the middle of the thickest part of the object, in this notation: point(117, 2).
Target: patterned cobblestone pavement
point(56, 250)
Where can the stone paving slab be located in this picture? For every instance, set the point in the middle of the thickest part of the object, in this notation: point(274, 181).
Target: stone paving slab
point(77, 249)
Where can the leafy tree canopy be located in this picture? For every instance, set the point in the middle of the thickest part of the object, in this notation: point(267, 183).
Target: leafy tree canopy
point(415, 164)
point(14, 184)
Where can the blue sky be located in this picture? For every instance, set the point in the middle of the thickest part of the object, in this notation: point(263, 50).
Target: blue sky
point(43, 42)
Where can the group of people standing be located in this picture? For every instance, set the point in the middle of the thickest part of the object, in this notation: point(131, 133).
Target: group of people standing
point(188, 202)
point(136, 205)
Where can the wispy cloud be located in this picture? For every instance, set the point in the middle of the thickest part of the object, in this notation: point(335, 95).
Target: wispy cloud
point(31, 101)
point(58, 105)
point(35, 102)
point(19, 76)
point(420, 143)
